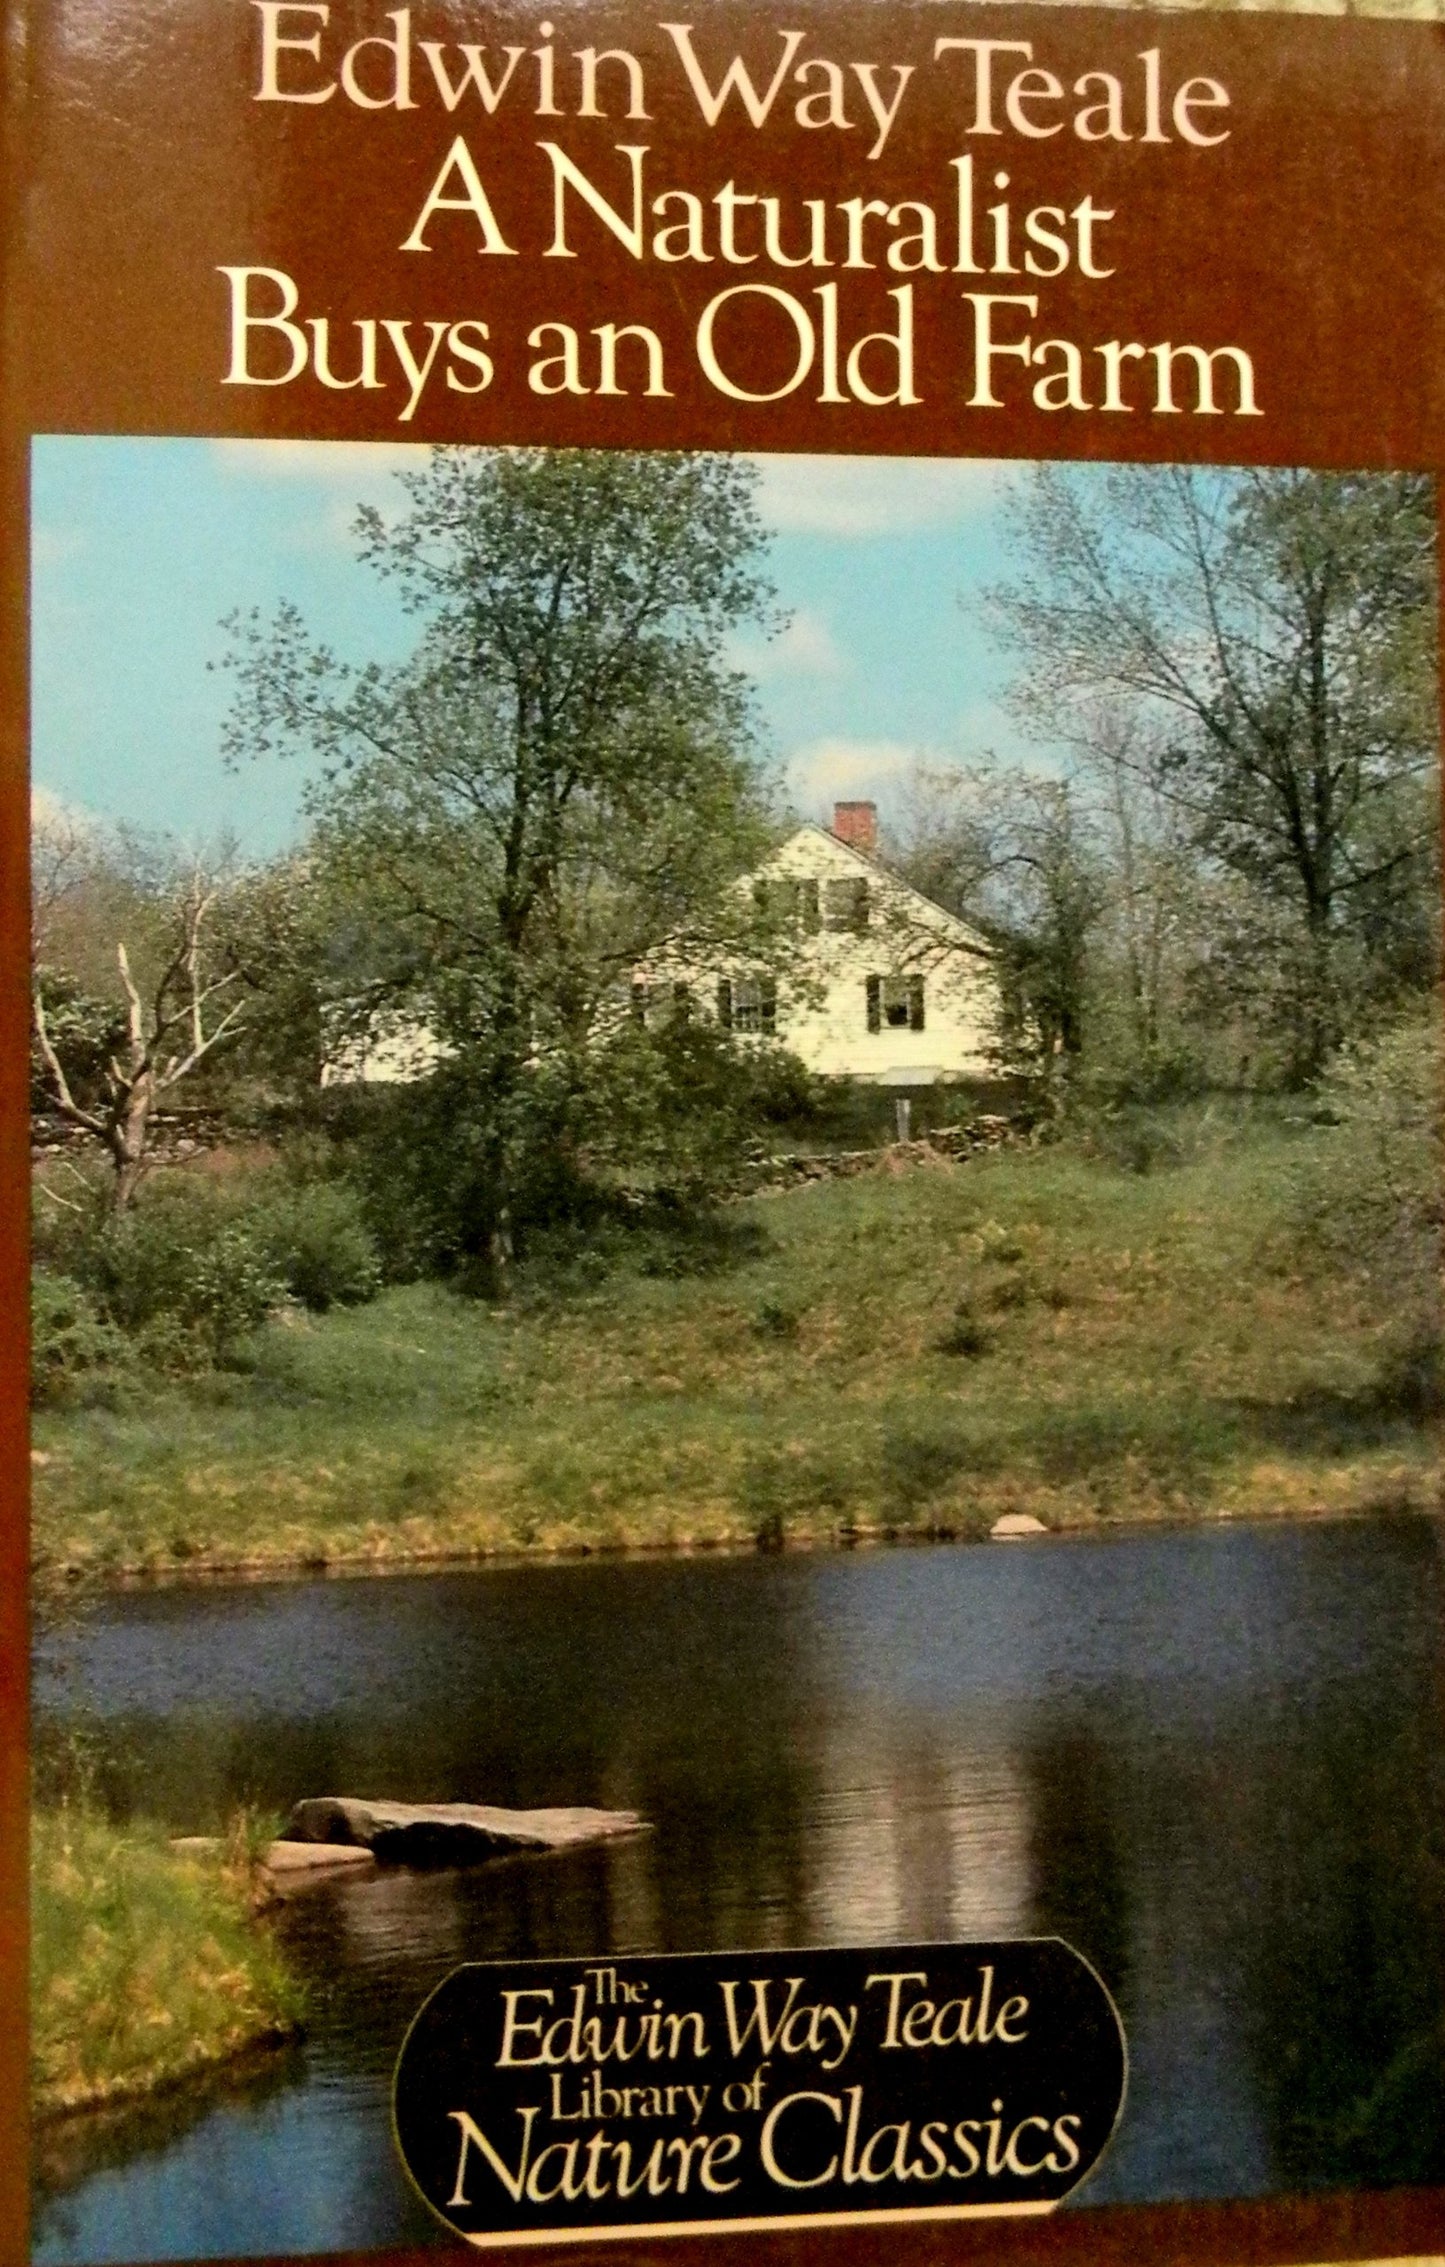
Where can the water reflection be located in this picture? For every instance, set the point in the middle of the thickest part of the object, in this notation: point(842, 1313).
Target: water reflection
point(1346, 2035)
point(1208, 1759)
point(914, 1838)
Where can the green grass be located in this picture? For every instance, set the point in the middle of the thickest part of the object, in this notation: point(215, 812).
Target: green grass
point(146, 1966)
point(920, 1353)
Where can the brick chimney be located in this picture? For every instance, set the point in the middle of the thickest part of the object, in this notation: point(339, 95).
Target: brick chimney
point(857, 825)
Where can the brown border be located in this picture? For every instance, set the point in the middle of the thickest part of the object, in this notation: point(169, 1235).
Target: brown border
point(1402, 2224)
point(14, 1199)
point(1341, 2226)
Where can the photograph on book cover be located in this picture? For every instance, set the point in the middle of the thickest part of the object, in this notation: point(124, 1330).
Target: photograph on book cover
point(733, 1104)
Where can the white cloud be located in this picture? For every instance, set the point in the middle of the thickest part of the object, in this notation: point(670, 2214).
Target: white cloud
point(840, 496)
point(835, 768)
point(331, 479)
point(56, 815)
point(806, 648)
point(353, 465)
point(46, 806)
point(864, 496)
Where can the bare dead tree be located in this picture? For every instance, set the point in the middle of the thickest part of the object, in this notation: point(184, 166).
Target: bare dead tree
point(167, 1035)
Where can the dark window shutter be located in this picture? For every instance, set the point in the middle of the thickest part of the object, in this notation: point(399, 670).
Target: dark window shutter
point(639, 1003)
point(875, 1003)
point(725, 1003)
point(915, 1003)
point(808, 894)
point(860, 906)
point(768, 1005)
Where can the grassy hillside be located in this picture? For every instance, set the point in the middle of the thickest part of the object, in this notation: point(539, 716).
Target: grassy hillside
point(915, 1352)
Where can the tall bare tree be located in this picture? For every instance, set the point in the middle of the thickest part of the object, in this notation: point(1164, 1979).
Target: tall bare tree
point(168, 1026)
point(1275, 630)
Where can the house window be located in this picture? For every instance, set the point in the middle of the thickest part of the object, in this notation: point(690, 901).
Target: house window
point(845, 904)
point(783, 898)
point(895, 1003)
point(748, 1003)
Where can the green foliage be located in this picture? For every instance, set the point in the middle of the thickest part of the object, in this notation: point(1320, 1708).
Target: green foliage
point(75, 1352)
point(277, 929)
point(180, 1270)
point(921, 1464)
point(633, 1138)
point(422, 1155)
point(186, 1274)
point(676, 1107)
point(1177, 1360)
point(315, 1238)
point(1369, 1194)
point(561, 778)
point(84, 1030)
point(1130, 1136)
point(1152, 1076)
point(964, 1335)
point(1244, 664)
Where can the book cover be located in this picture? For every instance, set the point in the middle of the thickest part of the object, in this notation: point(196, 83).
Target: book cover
point(723, 737)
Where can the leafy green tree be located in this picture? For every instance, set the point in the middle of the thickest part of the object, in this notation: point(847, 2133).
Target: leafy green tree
point(1012, 852)
point(1369, 1194)
point(1277, 632)
point(562, 775)
point(278, 931)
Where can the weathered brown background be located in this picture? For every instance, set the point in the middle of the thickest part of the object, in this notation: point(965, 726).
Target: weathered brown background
point(135, 163)
point(1314, 237)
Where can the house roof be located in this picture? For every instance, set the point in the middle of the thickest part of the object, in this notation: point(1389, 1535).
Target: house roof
point(964, 935)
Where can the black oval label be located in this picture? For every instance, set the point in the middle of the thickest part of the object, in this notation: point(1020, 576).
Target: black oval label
point(540, 2098)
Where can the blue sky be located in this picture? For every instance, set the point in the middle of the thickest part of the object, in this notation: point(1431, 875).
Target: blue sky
point(142, 546)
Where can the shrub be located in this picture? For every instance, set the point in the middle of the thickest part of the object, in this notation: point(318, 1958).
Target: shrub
point(655, 1237)
point(965, 1336)
point(779, 1490)
point(1130, 1137)
point(73, 1349)
point(1013, 1292)
point(190, 1270)
point(315, 1239)
point(1367, 1195)
point(640, 1123)
point(918, 1466)
point(1003, 1246)
point(182, 1269)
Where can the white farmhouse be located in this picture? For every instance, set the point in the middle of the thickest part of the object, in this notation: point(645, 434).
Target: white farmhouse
point(396, 1050)
point(882, 984)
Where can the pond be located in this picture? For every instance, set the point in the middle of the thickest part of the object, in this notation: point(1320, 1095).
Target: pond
point(1209, 1758)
